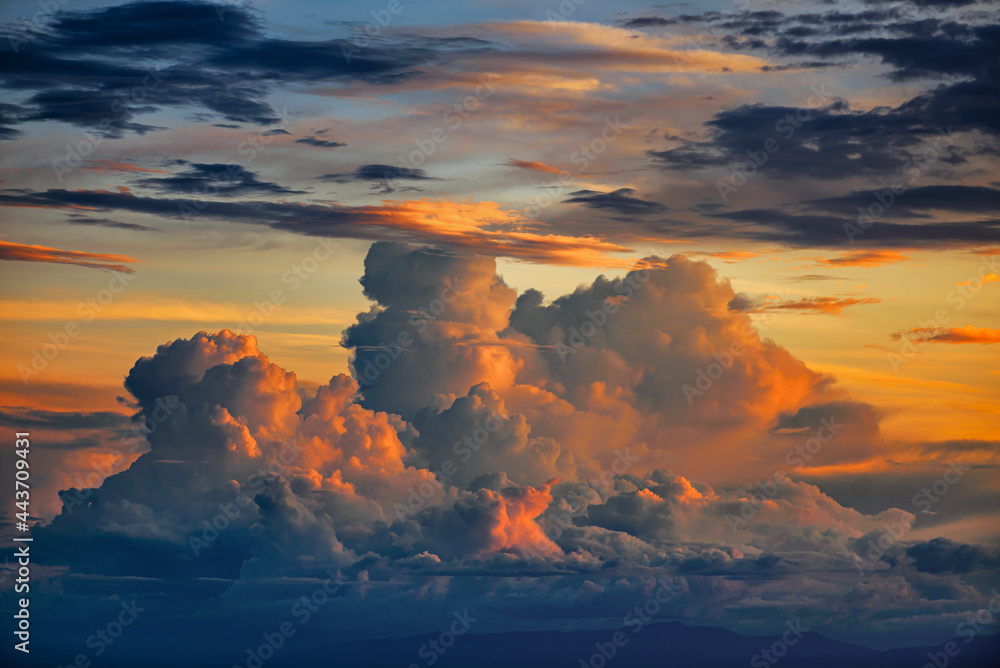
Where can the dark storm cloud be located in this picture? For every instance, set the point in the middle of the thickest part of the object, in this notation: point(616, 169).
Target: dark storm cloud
point(61, 420)
point(319, 220)
point(9, 114)
point(800, 229)
point(76, 219)
point(650, 22)
point(319, 143)
point(621, 201)
point(957, 198)
point(216, 180)
point(949, 50)
point(154, 24)
point(829, 140)
point(382, 177)
point(760, 29)
point(941, 555)
point(828, 230)
point(82, 68)
point(377, 172)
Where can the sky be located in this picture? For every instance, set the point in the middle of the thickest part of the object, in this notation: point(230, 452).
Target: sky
point(507, 306)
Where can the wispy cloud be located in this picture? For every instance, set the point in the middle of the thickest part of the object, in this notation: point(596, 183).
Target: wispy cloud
point(954, 335)
point(820, 305)
point(24, 253)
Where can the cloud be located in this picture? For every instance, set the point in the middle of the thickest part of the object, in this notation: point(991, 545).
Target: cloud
point(815, 277)
point(103, 166)
point(941, 555)
point(57, 420)
point(25, 253)
point(986, 278)
point(383, 174)
point(620, 201)
point(77, 219)
point(472, 456)
point(810, 229)
point(863, 259)
point(829, 129)
point(216, 180)
point(916, 201)
point(319, 143)
point(83, 67)
point(611, 48)
point(824, 305)
point(953, 335)
point(532, 165)
point(728, 257)
point(481, 227)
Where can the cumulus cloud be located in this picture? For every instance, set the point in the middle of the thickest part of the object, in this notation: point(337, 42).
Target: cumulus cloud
point(487, 440)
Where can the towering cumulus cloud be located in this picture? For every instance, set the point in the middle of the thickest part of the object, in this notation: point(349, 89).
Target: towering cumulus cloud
point(486, 439)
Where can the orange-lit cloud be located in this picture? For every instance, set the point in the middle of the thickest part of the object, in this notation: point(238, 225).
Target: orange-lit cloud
point(26, 253)
point(873, 258)
point(116, 166)
point(988, 278)
point(537, 166)
point(481, 227)
point(484, 228)
point(955, 335)
point(602, 47)
point(729, 257)
point(825, 305)
point(513, 526)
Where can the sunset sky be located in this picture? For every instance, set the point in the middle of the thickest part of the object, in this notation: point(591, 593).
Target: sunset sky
point(696, 233)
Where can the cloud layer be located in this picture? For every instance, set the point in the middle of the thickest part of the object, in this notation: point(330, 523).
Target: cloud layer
point(492, 439)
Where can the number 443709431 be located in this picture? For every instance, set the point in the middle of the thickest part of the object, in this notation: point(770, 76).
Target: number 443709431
point(22, 494)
